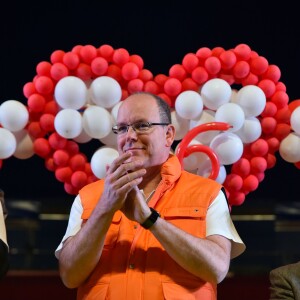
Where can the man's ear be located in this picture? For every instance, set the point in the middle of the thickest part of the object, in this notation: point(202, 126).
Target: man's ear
point(170, 135)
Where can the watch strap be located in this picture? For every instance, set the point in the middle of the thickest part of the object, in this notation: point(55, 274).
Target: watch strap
point(151, 219)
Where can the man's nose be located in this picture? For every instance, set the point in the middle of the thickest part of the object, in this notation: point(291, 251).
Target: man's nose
point(131, 132)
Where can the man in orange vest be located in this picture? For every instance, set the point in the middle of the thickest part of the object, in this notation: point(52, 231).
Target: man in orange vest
point(148, 230)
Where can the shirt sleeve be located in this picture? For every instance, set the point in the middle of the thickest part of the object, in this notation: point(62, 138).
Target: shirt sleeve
point(219, 222)
point(74, 223)
point(3, 236)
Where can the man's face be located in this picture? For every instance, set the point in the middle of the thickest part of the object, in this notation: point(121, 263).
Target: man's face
point(152, 146)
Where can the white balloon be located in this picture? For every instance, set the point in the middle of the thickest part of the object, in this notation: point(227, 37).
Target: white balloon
point(205, 137)
point(190, 162)
point(250, 131)
point(252, 99)
point(215, 92)
point(13, 115)
point(232, 114)
point(105, 91)
point(289, 148)
point(295, 120)
point(101, 158)
point(228, 147)
point(71, 92)
point(114, 112)
point(189, 105)
point(97, 121)
point(110, 140)
point(24, 149)
point(205, 169)
point(8, 143)
point(181, 125)
point(68, 123)
point(82, 138)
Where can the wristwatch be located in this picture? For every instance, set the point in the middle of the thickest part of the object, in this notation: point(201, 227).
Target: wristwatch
point(152, 219)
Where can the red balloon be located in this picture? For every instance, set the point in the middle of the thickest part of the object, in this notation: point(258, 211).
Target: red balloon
point(63, 174)
point(56, 141)
point(227, 59)
point(29, 89)
point(77, 162)
point(41, 147)
point(233, 182)
point(236, 198)
point(88, 53)
point(250, 79)
point(172, 87)
point(49, 164)
point(293, 105)
point(280, 98)
point(72, 147)
point(212, 65)
point(260, 147)
point(273, 73)
point(189, 84)
point(190, 62)
point(151, 87)
point(137, 60)
point(259, 65)
point(43, 68)
point(47, 122)
point(270, 110)
point(34, 130)
point(241, 69)
point(44, 85)
point(258, 164)
point(242, 51)
point(36, 103)
point(106, 51)
point(57, 56)
point(71, 60)
point(145, 75)
point(79, 179)
point(83, 71)
point(135, 85)
point(61, 157)
point(241, 167)
point(250, 183)
point(203, 53)
point(200, 75)
point(59, 71)
point(268, 125)
point(268, 87)
point(120, 57)
point(130, 71)
point(114, 71)
point(178, 71)
point(99, 66)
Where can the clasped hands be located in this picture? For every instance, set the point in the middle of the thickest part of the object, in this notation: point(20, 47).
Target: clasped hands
point(121, 190)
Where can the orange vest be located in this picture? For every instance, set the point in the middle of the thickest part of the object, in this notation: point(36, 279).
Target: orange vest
point(133, 264)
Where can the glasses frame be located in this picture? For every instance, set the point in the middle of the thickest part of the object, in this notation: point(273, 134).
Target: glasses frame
point(150, 124)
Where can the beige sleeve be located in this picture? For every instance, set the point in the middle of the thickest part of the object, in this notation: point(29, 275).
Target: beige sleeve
point(3, 236)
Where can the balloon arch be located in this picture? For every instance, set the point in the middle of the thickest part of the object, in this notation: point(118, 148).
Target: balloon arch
point(230, 110)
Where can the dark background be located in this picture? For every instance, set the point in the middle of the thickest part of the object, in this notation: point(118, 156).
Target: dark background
point(161, 33)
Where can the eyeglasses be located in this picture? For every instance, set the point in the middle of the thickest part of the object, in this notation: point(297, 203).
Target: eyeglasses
point(138, 127)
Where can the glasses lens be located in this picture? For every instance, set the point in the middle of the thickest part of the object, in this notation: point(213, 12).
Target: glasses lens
point(141, 126)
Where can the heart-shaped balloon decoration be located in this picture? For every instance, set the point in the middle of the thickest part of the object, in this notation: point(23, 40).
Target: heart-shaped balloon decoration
point(73, 100)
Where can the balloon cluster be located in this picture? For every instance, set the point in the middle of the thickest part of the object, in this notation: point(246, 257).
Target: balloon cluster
point(74, 98)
